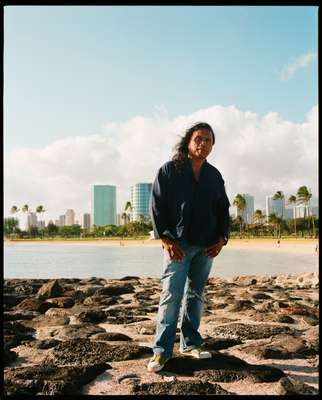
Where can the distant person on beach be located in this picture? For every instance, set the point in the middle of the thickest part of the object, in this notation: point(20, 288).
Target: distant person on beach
point(316, 248)
point(278, 243)
point(190, 214)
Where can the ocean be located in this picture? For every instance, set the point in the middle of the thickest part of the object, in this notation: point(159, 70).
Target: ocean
point(53, 261)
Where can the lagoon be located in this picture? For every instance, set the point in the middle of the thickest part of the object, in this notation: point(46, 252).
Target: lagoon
point(53, 261)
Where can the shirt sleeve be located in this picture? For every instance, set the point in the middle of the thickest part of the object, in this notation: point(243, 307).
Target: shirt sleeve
point(158, 206)
point(224, 218)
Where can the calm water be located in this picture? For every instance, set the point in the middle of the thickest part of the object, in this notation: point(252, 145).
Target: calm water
point(84, 261)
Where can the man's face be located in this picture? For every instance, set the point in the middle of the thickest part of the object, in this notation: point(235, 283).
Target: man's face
point(200, 144)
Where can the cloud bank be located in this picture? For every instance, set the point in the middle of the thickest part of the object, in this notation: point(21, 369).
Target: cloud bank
point(256, 155)
point(301, 62)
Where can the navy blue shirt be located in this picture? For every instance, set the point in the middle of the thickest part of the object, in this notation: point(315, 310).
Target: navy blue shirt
point(185, 208)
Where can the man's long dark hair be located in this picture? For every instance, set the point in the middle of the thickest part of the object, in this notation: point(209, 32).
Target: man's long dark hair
point(181, 149)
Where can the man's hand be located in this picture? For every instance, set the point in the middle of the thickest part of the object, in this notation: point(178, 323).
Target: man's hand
point(215, 249)
point(173, 248)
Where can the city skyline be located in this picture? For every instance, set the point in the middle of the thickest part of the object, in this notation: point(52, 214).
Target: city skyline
point(258, 90)
point(271, 206)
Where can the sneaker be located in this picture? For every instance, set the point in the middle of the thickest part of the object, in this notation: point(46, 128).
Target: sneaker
point(197, 352)
point(157, 362)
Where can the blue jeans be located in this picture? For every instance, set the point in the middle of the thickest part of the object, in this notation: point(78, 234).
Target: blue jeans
point(181, 279)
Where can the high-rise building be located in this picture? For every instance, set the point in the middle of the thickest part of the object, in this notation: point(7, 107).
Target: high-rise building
point(302, 210)
point(69, 217)
point(104, 205)
point(248, 212)
point(86, 221)
point(140, 200)
point(276, 207)
point(62, 220)
point(288, 213)
point(315, 211)
point(32, 220)
point(57, 222)
point(41, 224)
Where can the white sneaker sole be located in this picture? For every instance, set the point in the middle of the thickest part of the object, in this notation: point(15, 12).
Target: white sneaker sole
point(155, 367)
point(201, 356)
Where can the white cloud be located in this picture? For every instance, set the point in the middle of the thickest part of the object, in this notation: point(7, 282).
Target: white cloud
point(255, 155)
point(301, 62)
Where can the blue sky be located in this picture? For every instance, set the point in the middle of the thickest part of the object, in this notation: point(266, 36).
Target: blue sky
point(69, 70)
point(86, 76)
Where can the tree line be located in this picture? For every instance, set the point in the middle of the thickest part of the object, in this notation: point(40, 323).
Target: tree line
point(273, 224)
point(129, 229)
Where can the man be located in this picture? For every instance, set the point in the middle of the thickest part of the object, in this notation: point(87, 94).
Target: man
point(190, 214)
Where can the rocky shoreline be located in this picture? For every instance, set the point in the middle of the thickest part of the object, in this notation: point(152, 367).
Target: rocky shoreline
point(94, 336)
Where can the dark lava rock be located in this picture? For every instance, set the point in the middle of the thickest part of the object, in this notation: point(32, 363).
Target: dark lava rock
point(241, 305)
point(50, 289)
point(19, 315)
point(219, 343)
point(50, 380)
point(219, 306)
point(12, 300)
point(285, 319)
point(290, 386)
point(9, 356)
point(95, 281)
point(244, 280)
point(42, 344)
point(75, 331)
point(312, 321)
point(90, 290)
point(87, 352)
point(254, 373)
point(224, 363)
point(48, 320)
point(246, 331)
point(16, 328)
point(62, 302)
point(76, 295)
point(115, 289)
point(281, 347)
point(10, 341)
point(33, 304)
point(260, 295)
point(123, 316)
point(99, 301)
point(194, 387)
point(94, 315)
point(111, 336)
point(130, 278)
point(300, 309)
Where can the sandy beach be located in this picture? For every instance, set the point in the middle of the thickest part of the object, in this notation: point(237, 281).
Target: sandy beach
point(289, 245)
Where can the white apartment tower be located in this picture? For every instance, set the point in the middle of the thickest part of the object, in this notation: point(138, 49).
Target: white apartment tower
point(69, 217)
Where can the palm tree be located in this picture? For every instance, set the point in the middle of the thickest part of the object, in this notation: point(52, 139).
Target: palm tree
point(25, 208)
point(273, 219)
point(279, 196)
point(124, 217)
point(303, 197)
point(40, 210)
point(258, 217)
point(293, 200)
point(240, 204)
point(14, 210)
point(128, 206)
